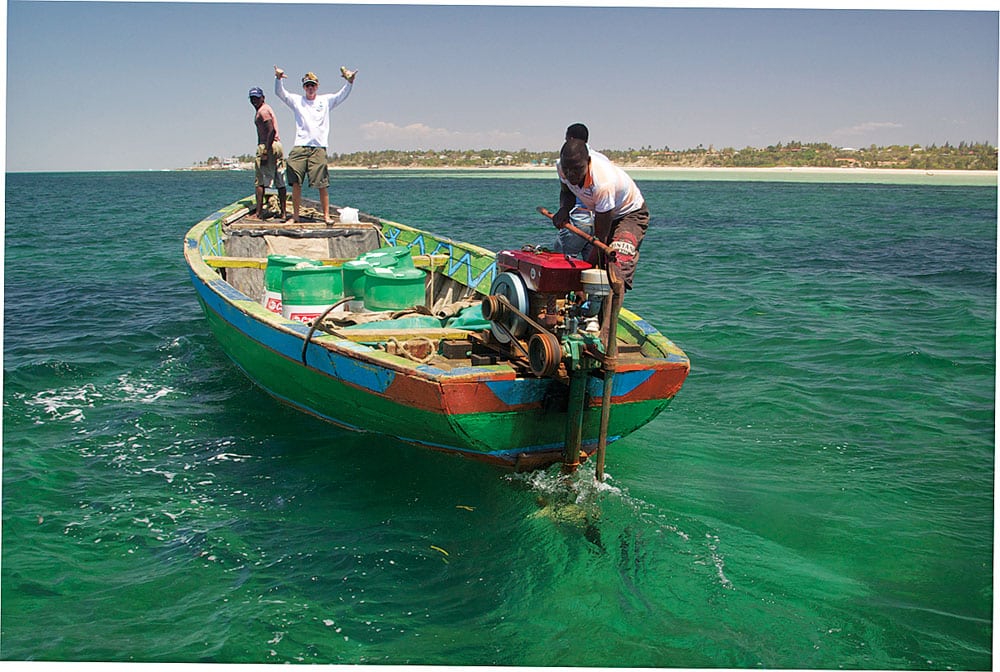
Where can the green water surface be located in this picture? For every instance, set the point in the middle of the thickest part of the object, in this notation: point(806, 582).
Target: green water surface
point(819, 495)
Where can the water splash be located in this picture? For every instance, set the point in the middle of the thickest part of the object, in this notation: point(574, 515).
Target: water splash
point(605, 510)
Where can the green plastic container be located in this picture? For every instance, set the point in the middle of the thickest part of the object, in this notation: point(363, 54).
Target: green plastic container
point(394, 288)
point(389, 257)
point(276, 264)
point(307, 291)
point(354, 282)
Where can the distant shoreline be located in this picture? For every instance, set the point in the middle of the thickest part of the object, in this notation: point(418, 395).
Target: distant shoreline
point(805, 174)
point(803, 170)
point(830, 175)
point(695, 169)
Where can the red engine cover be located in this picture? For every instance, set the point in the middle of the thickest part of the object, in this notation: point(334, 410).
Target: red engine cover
point(544, 272)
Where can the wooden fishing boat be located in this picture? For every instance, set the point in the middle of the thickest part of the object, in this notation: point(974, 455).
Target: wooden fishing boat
point(497, 357)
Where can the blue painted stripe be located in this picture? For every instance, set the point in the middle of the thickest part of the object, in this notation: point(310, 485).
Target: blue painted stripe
point(646, 327)
point(227, 290)
point(623, 383)
point(520, 391)
point(340, 367)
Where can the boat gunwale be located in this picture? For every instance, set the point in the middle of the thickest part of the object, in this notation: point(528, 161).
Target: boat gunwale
point(668, 354)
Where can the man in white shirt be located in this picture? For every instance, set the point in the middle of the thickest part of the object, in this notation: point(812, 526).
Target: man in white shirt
point(620, 214)
point(312, 133)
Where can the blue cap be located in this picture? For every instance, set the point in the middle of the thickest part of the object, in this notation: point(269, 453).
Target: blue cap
point(256, 92)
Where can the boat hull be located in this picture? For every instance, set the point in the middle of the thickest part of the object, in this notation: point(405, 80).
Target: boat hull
point(483, 412)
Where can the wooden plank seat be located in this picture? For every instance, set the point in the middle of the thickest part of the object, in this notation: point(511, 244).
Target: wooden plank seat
point(420, 261)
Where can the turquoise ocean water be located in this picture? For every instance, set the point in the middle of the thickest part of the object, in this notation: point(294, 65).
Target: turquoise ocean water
point(819, 495)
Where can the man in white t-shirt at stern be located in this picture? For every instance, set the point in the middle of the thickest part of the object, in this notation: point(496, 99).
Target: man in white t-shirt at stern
point(620, 214)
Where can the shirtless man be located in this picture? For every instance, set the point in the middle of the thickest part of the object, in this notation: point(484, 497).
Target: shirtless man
point(269, 166)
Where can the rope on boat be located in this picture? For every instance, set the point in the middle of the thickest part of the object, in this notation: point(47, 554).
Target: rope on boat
point(316, 323)
point(273, 205)
point(272, 208)
point(381, 235)
point(394, 347)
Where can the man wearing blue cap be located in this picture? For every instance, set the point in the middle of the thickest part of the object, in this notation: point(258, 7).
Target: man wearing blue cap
point(269, 166)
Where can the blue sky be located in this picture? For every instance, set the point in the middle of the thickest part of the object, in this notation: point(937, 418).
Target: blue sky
point(132, 86)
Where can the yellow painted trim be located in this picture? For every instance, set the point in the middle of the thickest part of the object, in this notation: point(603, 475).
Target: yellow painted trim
point(420, 261)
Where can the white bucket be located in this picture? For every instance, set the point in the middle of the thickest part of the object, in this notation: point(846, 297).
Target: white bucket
point(349, 216)
point(595, 282)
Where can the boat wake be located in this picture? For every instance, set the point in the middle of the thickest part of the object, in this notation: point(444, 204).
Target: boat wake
point(605, 510)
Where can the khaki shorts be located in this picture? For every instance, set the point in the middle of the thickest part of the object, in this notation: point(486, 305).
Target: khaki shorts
point(311, 161)
point(273, 170)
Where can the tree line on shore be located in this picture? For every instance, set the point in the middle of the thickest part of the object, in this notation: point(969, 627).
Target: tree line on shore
point(964, 156)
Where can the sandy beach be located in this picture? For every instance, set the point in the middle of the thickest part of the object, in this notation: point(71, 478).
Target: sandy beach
point(823, 171)
point(774, 174)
